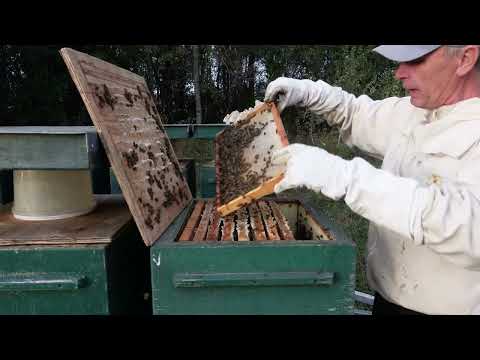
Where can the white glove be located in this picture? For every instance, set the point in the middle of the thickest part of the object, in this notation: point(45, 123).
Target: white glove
point(313, 168)
point(236, 116)
point(390, 201)
point(286, 92)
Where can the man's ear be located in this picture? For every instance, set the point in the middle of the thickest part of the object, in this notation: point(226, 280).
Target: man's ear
point(468, 59)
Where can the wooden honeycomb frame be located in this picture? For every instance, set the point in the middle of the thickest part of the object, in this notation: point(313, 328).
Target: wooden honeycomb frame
point(271, 138)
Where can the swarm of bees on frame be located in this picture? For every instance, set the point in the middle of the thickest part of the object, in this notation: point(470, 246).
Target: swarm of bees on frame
point(236, 175)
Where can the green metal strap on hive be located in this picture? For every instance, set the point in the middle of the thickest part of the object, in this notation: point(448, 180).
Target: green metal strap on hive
point(186, 280)
point(42, 282)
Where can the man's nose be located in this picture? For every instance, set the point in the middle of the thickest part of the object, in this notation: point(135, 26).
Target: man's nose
point(401, 72)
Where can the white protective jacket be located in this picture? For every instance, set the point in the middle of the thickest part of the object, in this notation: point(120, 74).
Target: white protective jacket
point(430, 263)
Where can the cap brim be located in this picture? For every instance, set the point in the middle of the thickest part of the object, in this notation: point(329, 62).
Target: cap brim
point(404, 53)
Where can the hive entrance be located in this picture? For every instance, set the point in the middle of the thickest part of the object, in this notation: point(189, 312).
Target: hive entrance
point(259, 221)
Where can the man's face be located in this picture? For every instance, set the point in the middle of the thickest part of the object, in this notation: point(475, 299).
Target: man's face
point(430, 80)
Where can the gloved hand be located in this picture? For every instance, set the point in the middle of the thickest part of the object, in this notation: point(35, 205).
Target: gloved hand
point(286, 92)
point(313, 168)
point(397, 203)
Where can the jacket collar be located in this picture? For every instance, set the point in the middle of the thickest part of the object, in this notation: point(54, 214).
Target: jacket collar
point(462, 109)
point(452, 129)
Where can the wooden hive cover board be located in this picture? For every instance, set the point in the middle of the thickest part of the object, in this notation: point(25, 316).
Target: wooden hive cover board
point(243, 154)
point(130, 128)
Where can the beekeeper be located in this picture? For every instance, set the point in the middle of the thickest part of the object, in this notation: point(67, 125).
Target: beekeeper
point(423, 252)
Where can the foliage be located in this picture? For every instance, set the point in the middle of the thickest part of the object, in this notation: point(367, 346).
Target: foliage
point(37, 90)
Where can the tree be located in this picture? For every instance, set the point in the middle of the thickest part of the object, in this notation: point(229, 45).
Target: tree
point(196, 77)
point(189, 83)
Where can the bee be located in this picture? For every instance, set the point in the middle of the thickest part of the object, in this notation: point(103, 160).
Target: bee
point(148, 222)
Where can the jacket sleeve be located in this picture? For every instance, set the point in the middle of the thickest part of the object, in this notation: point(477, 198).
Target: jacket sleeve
point(364, 123)
point(444, 216)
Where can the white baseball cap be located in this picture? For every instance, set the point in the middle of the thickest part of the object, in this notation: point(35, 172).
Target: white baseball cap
point(403, 53)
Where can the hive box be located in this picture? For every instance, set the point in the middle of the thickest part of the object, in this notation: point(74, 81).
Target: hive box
point(90, 264)
point(314, 273)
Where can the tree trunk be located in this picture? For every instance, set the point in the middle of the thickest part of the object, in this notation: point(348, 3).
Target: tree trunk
point(251, 78)
point(196, 80)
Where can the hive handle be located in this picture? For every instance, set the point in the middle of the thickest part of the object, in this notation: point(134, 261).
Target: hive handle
point(35, 282)
point(208, 280)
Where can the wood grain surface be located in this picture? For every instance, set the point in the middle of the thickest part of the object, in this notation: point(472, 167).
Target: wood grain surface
point(129, 126)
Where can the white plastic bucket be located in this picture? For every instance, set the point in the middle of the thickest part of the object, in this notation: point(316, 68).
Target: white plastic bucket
point(52, 194)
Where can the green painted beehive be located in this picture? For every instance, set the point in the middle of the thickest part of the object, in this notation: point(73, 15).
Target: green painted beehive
point(89, 264)
point(92, 264)
point(203, 272)
point(314, 274)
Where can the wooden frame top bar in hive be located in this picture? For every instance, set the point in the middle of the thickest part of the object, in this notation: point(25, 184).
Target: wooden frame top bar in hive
point(135, 141)
point(243, 153)
point(258, 221)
